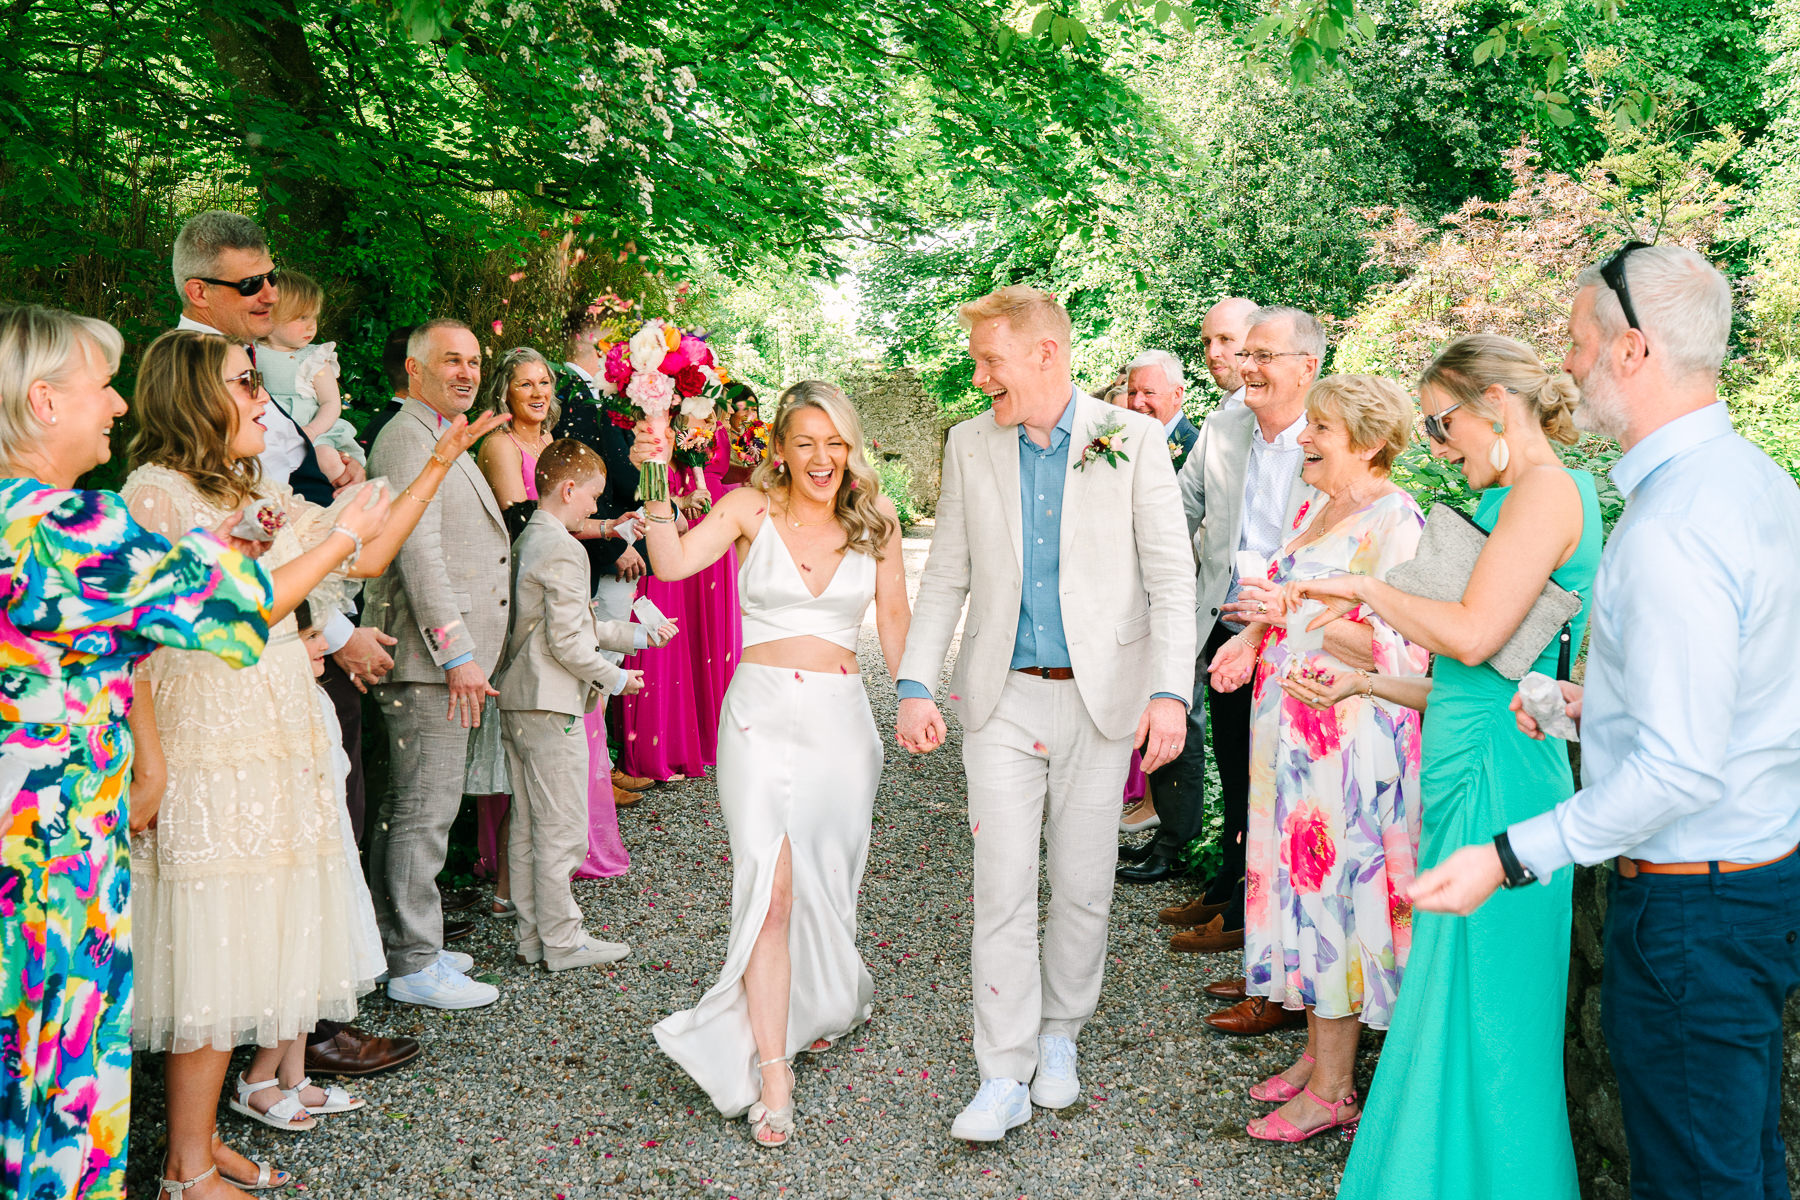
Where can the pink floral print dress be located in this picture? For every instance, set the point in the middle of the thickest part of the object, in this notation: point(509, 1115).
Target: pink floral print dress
point(1334, 798)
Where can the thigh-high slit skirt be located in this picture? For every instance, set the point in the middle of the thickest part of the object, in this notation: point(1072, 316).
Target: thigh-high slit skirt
point(799, 758)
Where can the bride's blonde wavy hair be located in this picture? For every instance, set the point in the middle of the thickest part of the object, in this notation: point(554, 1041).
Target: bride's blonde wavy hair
point(866, 527)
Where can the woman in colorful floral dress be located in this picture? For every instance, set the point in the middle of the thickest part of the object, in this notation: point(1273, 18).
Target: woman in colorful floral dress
point(85, 592)
point(1334, 795)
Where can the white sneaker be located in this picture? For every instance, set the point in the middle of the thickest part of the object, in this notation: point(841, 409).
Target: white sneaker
point(457, 961)
point(1055, 1084)
point(1000, 1105)
point(437, 986)
point(592, 953)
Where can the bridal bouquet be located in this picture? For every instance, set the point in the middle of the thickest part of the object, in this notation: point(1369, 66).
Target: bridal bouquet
point(663, 375)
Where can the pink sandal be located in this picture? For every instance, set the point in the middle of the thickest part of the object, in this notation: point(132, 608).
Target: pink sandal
point(1277, 1128)
point(1275, 1089)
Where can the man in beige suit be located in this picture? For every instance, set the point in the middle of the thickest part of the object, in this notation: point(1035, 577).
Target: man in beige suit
point(556, 670)
point(1059, 524)
point(445, 601)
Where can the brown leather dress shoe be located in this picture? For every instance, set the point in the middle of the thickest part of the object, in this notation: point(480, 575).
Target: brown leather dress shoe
point(456, 931)
point(1210, 938)
point(1195, 912)
point(459, 901)
point(354, 1052)
point(624, 798)
point(1255, 1016)
point(632, 783)
point(1227, 989)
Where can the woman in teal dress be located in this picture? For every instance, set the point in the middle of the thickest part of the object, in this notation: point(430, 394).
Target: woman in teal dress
point(85, 592)
point(1468, 1099)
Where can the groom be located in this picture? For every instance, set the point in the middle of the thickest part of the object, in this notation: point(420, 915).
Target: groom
point(1060, 524)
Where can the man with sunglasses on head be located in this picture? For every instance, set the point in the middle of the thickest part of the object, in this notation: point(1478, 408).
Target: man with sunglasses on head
point(1690, 743)
point(228, 283)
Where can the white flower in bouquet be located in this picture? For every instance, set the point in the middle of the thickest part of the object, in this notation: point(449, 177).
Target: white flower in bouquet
point(647, 347)
point(650, 390)
point(697, 407)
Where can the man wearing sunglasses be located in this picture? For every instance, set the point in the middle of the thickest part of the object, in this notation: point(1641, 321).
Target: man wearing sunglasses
point(227, 283)
point(1690, 743)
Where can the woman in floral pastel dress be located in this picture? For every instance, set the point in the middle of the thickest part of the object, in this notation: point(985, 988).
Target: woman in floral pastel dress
point(85, 593)
point(1334, 795)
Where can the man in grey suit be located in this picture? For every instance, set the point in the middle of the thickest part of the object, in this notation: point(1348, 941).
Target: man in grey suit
point(445, 601)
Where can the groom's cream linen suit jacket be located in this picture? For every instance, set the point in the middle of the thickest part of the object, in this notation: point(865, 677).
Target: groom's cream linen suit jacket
point(1126, 572)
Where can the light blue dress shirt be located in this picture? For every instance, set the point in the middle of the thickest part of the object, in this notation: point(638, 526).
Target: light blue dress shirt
point(1690, 728)
point(1040, 640)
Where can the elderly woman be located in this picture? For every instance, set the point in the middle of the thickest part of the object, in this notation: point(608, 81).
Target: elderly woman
point(1334, 798)
point(85, 592)
point(245, 915)
point(1468, 1100)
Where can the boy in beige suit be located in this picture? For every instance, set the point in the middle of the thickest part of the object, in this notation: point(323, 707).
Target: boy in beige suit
point(556, 670)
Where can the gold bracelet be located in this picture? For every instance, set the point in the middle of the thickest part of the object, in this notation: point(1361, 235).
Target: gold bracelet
point(652, 517)
point(440, 460)
point(1368, 679)
point(422, 503)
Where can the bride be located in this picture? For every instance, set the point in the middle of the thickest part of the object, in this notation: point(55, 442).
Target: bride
point(799, 757)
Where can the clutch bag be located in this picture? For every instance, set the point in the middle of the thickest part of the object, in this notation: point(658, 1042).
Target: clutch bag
point(1448, 548)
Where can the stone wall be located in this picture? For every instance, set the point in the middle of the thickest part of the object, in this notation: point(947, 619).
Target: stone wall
point(903, 426)
point(1594, 1115)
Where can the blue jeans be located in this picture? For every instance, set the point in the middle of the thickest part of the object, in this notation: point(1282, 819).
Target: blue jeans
point(1698, 971)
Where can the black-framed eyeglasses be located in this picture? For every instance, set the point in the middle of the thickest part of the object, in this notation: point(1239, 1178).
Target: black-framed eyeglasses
point(1263, 358)
point(1434, 424)
point(249, 285)
point(1613, 272)
point(251, 380)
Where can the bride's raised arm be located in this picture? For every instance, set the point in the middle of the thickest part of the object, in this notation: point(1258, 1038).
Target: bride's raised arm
point(674, 555)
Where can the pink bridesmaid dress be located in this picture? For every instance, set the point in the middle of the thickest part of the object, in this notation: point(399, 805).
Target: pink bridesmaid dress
point(716, 626)
point(664, 719)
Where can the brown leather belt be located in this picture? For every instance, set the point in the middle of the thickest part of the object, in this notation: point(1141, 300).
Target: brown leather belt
point(1630, 868)
point(1047, 672)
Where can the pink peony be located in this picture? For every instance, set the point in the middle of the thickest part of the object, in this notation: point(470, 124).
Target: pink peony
point(690, 352)
point(651, 391)
point(1311, 852)
point(618, 367)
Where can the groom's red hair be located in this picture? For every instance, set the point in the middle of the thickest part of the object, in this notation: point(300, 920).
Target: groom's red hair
point(1025, 309)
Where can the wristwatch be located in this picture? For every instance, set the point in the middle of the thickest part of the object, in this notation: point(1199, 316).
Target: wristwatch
point(1517, 873)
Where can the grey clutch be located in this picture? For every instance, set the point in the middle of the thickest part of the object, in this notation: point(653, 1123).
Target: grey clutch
point(1448, 548)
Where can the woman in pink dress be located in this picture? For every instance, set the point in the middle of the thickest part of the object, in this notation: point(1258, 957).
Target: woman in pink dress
point(715, 630)
point(665, 740)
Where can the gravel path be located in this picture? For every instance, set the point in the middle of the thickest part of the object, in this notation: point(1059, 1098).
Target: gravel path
point(559, 1090)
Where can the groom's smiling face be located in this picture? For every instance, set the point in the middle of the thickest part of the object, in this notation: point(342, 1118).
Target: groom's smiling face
point(1012, 367)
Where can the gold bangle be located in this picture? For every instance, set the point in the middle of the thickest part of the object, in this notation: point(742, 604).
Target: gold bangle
point(422, 502)
point(440, 460)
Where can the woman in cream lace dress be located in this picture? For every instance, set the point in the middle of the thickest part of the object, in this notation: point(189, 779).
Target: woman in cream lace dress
point(244, 912)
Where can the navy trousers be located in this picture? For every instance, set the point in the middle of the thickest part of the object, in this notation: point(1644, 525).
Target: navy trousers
point(1698, 970)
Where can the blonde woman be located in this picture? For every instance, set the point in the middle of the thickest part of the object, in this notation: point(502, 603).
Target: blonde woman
point(799, 755)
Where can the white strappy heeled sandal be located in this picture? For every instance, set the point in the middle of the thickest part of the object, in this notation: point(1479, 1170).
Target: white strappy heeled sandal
point(337, 1100)
point(281, 1114)
point(764, 1119)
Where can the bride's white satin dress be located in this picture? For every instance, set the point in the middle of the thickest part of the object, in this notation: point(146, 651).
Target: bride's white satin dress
point(799, 758)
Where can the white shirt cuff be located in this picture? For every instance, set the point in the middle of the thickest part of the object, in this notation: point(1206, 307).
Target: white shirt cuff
point(337, 632)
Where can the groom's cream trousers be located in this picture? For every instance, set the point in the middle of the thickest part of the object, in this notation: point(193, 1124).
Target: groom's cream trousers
point(1040, 767)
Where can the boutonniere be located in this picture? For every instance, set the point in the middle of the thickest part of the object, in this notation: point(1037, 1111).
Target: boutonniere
point(1177, 452)
point(1105, 444)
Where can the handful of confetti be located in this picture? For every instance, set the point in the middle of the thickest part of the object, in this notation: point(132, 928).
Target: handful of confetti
point(261, 522)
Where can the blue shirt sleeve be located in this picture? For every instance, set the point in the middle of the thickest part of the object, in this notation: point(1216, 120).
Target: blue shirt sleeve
point(459, 660)
point(912, 689)
point(1169, 696)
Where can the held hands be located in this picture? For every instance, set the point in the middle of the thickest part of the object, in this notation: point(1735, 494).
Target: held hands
point(920, 727)
point(634, 683)
point(363, 658)
point(1161, 732)
point(1461, 883)
point(469, 690)
point(1258, 600)
point(1528, 725)
point(1232, 666)
point(461, 433)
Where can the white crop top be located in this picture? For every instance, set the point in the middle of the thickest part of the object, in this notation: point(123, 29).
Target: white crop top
point(777, 603)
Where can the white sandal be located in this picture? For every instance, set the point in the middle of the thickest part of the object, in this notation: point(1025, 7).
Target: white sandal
point(337, 1100)
point(280, 1114)
point(762, 1118)
point(174, 1187)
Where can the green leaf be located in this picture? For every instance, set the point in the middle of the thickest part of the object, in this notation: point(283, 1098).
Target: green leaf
point(1559, 116)
point(1040, 24)
point(1483, 52)
point(1366, 24)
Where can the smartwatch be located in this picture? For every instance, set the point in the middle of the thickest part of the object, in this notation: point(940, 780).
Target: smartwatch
point(1517, 873)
